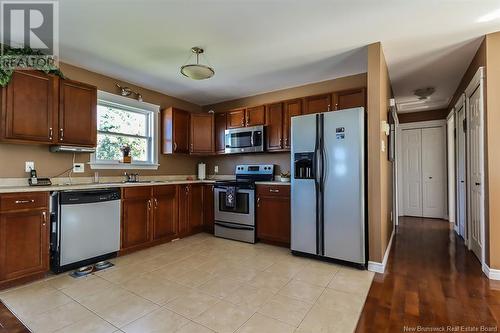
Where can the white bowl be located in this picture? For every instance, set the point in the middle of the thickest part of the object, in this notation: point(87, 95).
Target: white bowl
point(284, 180)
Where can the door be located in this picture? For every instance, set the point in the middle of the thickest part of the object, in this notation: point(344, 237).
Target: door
point(202, 134)
point(136, 217)
point(29, 107)
point(344, 204)
point(274, 126)
point(243, 210)
point(165, 212)
point(23, 243)
point(450, 146)
point(255, 116)
point(475, 167)
point(433, 172)
point(235, 118)
point(77, 113)
point(349, 99)
point(290, 109)
point(461, 175)
point(220, 127)
point(318, 103)
point(303, 191)
point(196, 207)
point(181, 131)
point(412, 171)
point(273, 214)
point(183, 206)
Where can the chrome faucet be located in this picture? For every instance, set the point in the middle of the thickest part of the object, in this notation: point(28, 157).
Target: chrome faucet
point(131, 177)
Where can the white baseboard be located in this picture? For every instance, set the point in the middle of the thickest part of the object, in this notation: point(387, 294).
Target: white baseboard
point(492, 274)
point(378, 267)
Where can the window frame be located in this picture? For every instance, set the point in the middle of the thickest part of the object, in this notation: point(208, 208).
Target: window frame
point(131, 105)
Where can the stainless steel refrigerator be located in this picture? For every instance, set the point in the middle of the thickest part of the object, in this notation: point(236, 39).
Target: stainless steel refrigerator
point(328, 185)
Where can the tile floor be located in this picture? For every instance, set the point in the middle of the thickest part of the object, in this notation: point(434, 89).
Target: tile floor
point(198, 284)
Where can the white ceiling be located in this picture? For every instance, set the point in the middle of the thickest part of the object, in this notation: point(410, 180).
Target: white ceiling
point(262, 45)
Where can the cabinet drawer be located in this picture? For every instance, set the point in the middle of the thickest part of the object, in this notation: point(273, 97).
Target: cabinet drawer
point(273, 190)
point(20, 201)
point(136, 192)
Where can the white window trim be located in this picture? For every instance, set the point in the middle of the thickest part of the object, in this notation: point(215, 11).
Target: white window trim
point(110, 99)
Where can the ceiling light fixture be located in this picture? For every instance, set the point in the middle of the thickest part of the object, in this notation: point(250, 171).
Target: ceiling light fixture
point(197, 71)
point(489, 17)
point(424, 93)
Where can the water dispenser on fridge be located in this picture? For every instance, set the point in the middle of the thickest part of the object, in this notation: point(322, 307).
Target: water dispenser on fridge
point(304, 165)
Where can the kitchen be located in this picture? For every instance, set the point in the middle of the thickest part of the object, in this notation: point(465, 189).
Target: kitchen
point(205, 180)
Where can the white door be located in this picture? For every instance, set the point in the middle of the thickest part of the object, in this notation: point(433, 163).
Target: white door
point(475, 170)
point(461, 177)
point(450, 144)
point(433, 172)
point(412, 172)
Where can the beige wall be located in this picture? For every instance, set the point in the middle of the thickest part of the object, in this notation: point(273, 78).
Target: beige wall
point(492, 153)
point(379, 168)
point(49, 164)
point(282, 160)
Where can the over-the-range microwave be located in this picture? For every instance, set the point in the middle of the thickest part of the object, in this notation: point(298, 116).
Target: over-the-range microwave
point(244, 140)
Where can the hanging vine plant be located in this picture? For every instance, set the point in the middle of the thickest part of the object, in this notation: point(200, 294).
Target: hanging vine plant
point(8, 52)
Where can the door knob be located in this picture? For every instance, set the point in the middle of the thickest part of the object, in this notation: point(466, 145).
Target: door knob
point(477, 184)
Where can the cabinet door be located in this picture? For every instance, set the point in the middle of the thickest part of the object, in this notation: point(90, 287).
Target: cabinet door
point(29, 107)
point(181, 131)
point(165, 221)
point(220, 127)
point(24, 243)
point(202, 134)
point(235, 118)
point(77, 113)
point(183, 195)
point(208, 208)
point(290, 109)
point(349, 99)
point(318, 103)
point(136, 216)
point(255, 116)
point(274, 126)
point(273, 214)
point(195, 207)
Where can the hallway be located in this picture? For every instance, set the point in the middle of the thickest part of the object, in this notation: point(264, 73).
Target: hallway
point(431, 280)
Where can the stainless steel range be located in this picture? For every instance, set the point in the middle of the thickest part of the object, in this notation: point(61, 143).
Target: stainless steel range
point(234, 202)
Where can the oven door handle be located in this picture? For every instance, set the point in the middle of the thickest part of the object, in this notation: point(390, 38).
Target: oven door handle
point(224, 225)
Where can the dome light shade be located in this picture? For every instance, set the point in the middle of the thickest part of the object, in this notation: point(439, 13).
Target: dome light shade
point(197, 71)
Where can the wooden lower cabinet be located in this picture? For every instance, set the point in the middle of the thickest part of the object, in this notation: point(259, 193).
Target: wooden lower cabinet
point(136, 217)
point(273, 214)
point(165, 212)
point(24, 237)
point(208, 208)
point(190, 209)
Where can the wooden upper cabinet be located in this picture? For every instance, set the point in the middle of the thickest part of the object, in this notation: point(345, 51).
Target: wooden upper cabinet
point(235, 118)
point(77, 113)
point(349, 99)
point(291, 109)
point(136, 216)
point(220, 128)
point(317, 103)
point(165, 214)
point(274, 129)
point(29, 107)
point(202, 133)
point(175, 131)
point(255, 115)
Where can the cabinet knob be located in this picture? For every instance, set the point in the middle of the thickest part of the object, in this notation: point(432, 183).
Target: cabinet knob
point(44, 216)
point(258, 201)
point(24, 201)
point(50, 133)
point(175, 146)
point(61, 134)
point(272, 190)
point(149, 204)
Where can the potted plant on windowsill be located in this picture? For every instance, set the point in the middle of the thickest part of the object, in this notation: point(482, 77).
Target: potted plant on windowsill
point(285, 177)
point(126, 154)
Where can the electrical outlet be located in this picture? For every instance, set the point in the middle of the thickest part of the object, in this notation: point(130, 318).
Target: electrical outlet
point(78, 167)
point(216, 169)
point(29, 165)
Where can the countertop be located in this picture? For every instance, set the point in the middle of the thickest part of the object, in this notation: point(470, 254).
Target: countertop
point(85, 186)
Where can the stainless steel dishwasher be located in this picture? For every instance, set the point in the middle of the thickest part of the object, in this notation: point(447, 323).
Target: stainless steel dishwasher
point(85, 227)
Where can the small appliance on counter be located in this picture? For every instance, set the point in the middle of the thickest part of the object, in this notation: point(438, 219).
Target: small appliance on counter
point(35, 181)
point(202, 171)
point(85, 227)
point(234, 202)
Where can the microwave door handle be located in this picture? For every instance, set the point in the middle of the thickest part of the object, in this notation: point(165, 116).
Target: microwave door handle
point(252, 139)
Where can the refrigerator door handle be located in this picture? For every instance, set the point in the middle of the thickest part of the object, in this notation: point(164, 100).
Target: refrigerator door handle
point(317, 182)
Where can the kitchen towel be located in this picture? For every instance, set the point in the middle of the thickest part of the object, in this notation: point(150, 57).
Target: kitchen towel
point(231, 197)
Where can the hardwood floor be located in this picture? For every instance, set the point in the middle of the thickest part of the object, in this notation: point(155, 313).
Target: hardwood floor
point(431, 280)
point(9, 323)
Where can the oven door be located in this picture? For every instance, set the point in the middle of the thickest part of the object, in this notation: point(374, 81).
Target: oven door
point(242, 213)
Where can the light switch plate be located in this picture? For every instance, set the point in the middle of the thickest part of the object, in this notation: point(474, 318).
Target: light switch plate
point(29, 165)
point(216, 169)
point(78, 167)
